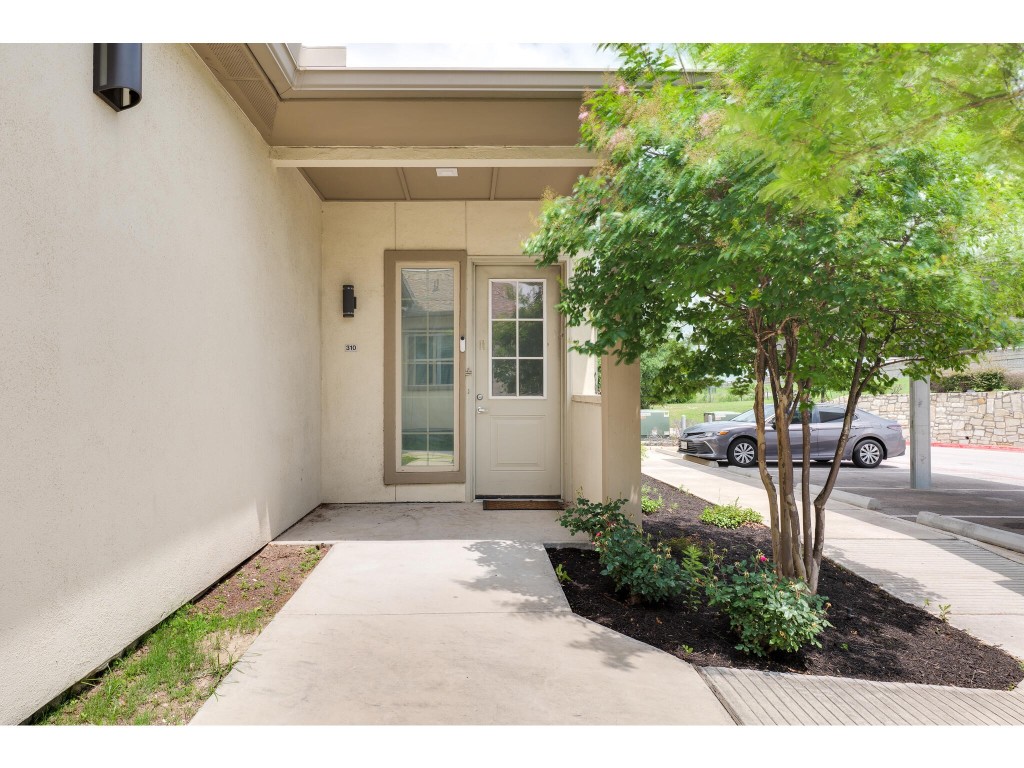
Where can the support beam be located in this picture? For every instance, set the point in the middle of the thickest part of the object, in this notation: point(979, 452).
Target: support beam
point(620, 434)
point(920, 435)
point(430, 157)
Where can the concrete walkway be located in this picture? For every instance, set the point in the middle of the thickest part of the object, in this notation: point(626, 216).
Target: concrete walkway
point(773, 698)
point(446, 614)
point(446, 629)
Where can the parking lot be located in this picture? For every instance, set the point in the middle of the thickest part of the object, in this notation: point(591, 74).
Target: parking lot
point(981, 486)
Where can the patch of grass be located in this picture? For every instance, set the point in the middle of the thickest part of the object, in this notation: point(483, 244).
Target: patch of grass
point(181, 661)
point(729, 516)
point(650, 500)
point(694, 412)
point(310, 557)
point(167, 675)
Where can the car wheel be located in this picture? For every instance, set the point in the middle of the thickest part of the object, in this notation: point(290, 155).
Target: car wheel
point(743, 452)
point(868, 454)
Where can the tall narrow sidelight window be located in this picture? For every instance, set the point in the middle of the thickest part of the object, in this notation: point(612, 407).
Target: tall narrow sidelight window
point(424, 425)
point(428, 354)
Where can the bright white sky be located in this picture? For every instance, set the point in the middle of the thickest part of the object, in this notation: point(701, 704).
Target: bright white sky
point(547, 21)
point(479, 55)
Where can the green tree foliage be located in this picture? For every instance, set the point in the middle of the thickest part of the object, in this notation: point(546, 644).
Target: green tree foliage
point(665, 376)
point(699, 215)
point(818, 113)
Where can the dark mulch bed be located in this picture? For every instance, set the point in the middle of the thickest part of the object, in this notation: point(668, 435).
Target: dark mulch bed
point(876, 636)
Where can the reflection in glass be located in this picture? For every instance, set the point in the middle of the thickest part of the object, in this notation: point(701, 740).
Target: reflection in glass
point(503, 378)
point(531, 339)
point(531, 378)
point(503, 338)
point(503, 300)
point(428, 357)
point(531, 300)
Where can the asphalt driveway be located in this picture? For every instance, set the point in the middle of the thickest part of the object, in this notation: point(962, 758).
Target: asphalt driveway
point(981, 486)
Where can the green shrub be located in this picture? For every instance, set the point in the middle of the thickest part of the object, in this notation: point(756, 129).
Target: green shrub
point(769, 612)
point(976, 379)
point(650, 500)
point(1015, 380)
point(729, 515)
point(592, 517)
point(697, 562)
point(639, 567)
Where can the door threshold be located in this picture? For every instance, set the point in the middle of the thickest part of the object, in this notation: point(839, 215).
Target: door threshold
point(485, 496)
point(519, 504)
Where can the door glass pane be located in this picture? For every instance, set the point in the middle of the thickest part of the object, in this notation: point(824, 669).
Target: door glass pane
point(531, 339)
point(503, 378)
point(531, 378)
point(503, 338)
point(427, 390)
point(517, 338)
point(503, 299)
point(531, 299)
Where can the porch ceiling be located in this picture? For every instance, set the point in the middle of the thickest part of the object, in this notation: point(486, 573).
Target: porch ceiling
point(363, 134)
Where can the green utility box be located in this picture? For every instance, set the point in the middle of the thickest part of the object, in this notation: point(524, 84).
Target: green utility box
point(653, 423)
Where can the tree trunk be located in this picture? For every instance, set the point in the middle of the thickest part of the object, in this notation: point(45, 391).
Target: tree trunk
point(788, 558)
point(803, 399)
point(759, 421)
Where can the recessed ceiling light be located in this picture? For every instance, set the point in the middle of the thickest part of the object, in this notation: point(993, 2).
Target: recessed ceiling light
point(447, 171)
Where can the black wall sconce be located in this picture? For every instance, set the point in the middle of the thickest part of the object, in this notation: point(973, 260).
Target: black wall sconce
point(348, 301)
point(117, 74)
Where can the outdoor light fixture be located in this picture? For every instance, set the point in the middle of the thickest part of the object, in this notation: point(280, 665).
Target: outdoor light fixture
point(348, 301)
point(117, 74)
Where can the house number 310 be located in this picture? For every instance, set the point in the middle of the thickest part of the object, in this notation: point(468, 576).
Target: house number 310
point(350, 347)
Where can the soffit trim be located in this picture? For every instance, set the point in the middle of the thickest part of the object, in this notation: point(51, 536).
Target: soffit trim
point(294, 81)
point(429, 157)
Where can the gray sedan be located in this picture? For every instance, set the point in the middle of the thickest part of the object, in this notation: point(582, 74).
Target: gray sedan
point(872, 438)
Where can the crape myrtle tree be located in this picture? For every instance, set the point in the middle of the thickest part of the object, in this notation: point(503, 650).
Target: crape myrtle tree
point(686, 223)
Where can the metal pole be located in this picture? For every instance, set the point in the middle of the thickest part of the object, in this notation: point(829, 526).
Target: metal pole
point(920, 435)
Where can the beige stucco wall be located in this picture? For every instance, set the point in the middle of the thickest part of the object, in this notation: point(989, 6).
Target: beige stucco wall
point(355, 236)
point(586, 462)
point(159, 356)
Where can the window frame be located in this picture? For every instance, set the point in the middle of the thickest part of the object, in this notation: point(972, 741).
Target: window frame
point(394, 472)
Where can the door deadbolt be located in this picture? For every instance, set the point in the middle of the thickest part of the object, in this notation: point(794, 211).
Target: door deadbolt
point(479, 397)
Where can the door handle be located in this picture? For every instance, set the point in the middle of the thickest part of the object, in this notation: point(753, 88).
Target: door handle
point(481, 409)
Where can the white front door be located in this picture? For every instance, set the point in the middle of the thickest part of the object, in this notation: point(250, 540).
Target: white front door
point(517, 382)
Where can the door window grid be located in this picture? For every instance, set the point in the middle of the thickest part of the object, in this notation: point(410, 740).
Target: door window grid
point(516, 326)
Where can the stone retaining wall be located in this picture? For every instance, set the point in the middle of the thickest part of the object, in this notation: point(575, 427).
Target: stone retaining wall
point(986, 418)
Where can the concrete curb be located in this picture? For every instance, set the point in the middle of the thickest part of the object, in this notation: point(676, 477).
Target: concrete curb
point(1012, 448)
point(846, 497)
point(993, 536)
point(853, 499)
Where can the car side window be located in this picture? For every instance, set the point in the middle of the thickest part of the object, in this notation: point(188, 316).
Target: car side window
point(797, 418)
point(831, 414)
